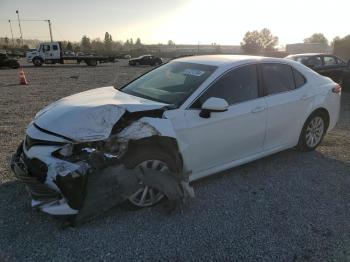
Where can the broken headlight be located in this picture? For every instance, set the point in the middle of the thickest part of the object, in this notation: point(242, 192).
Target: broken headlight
point(97, 154)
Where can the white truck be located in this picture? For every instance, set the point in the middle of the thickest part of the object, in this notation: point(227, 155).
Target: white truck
point(52, 53)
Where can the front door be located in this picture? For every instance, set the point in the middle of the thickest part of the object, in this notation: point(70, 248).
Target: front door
point(225, 136)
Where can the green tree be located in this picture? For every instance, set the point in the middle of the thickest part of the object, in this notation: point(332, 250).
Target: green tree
point(97, 45)
point(69, 46)
point(316, 38)
point(171, 43)
point(138, 42)
point(85, 43)
point(108, 41)
point(255, 41)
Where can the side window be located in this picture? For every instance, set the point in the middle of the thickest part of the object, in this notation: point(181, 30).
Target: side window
point(236, 86)
point(329, 60)
point(46, 48)
point(314, 61)
point(55, 47)
point(340, 61)
point(277, 78)
point(299, 79)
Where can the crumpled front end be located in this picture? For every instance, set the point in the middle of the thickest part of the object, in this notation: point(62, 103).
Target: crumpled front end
point(68, 177)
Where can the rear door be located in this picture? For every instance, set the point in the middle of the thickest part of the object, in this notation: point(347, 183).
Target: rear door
point(288, 100)
point(231, 135)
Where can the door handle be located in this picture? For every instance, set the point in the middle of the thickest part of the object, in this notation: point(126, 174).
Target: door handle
point(258, 109)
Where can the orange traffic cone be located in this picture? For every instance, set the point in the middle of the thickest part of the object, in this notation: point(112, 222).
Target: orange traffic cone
point(22, 77)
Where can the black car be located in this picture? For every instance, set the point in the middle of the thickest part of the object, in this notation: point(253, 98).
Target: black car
point(146, 60)
point(325, 64)
point(6, 61)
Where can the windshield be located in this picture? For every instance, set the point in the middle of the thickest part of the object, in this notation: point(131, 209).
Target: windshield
point(300, 59)
point(171, 83)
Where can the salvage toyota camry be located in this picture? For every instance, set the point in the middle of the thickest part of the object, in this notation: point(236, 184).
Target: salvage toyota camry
point(182, 121)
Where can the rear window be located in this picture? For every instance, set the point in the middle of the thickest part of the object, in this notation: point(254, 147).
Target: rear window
point(298, 78)
point(277, 78)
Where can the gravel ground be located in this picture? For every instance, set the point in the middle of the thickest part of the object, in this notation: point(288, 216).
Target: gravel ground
point(287, 207)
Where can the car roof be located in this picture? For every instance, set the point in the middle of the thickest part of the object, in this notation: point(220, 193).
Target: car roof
point(307, 54)
point(226, 60)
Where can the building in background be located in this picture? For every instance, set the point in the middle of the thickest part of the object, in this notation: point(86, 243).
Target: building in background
point(300, 48)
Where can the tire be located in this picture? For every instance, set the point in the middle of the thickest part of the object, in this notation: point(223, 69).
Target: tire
point(91, 62)
point(152, 158)
point(313, 132)
point(14, 64)
point(37, 61)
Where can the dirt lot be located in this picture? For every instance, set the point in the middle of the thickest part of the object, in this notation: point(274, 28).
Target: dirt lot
point(287, 207)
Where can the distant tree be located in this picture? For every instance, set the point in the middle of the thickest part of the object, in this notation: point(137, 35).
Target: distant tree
point(18, 42)
point(7, 40)
point(131, 42)
point(316, 38)
point(138, 42)
point(337, 38)
point(255, 41)
point(346, 38)
point(171, 43)
point(69, 46)
point(268, 41)
point(108, 41)
point(25, 47)
point(85, 43)
point(97, 45)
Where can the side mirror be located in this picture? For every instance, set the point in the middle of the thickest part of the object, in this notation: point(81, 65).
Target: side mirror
point(213, 104)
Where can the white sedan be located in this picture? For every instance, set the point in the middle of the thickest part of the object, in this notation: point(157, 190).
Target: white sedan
point(193, 116)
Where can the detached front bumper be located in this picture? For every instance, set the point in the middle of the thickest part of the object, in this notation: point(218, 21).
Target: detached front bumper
point(44, 191)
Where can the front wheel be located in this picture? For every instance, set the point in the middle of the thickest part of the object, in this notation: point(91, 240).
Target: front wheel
point(37, 62)
point(312, 133)
point(154, 159)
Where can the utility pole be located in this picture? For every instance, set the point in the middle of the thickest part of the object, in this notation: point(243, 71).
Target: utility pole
point(50, 30)
point(20, 29)
point(13, 42)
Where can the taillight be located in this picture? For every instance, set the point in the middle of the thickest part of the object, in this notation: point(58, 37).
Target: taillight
point(336, 89)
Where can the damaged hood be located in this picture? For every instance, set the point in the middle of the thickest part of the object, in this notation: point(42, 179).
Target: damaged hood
point(90, 115)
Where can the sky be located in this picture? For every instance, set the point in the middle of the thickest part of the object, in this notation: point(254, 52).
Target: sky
point(183, 21)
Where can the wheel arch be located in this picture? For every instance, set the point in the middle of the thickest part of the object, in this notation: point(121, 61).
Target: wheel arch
point(38, 57)
point(165, 144)
point(322, 111)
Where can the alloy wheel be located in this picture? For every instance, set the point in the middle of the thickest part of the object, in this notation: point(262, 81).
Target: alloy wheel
point(148, 196)
point(314, 131)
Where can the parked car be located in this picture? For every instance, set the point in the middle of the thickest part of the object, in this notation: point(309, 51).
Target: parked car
point(6, 61)
point(325, 64)
point(146, 60)
point(192, 117)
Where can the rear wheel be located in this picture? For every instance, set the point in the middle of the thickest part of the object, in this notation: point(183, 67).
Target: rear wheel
point(92, 62)
point(313, 132)
point(14, 64)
